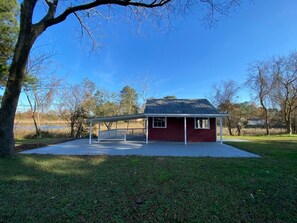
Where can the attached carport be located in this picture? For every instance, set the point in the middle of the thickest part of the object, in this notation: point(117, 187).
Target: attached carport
point(146, 116)
point(112, 119)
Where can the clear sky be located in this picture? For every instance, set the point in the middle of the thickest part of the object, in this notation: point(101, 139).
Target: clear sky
point(185, 61)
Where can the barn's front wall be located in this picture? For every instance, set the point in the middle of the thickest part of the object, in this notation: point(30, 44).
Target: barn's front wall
point(175, 131)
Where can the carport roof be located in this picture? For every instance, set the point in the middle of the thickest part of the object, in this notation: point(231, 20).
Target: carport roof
point(118, 118)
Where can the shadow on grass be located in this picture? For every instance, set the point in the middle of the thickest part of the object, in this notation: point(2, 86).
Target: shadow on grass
point(38, 188)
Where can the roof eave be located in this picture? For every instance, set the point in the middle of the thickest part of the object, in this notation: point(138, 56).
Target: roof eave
point(187, 115)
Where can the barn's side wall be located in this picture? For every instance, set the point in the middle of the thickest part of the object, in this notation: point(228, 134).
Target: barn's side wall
point(175, 131)
point(201, 135)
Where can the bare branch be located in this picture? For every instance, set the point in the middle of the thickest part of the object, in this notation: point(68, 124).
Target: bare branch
point(93, 4)
point(84, 27)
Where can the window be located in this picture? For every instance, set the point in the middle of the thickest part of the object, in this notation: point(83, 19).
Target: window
point(201, 123)
point(159, 122)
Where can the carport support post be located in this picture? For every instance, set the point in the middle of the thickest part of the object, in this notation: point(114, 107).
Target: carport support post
point(221, 139)
point(185, 129)
point(98, 131)
point(90, 135)
point(146, 131)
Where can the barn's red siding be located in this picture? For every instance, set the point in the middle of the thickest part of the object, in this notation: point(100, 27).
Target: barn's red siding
point(201, 135)
point(175, 131)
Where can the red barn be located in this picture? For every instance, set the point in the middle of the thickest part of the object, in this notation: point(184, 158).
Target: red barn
point(180, 120)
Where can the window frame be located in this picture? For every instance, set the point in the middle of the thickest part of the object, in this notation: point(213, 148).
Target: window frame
point(195, 122)
point(159, 127)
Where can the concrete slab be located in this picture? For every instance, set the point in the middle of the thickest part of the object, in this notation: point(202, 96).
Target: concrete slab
point(81, 147)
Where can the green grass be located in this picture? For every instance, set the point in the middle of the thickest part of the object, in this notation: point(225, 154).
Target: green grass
point(153, 189)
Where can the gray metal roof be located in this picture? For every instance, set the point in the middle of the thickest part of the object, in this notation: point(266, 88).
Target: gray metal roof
point(180, 106)
point(170, 108)
point(118, 118)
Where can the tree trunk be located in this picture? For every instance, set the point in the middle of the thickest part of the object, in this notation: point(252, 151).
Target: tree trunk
point(17, 72)
point(238, 130)
point(289, 126)
point(229, 126)
point(294, 123)
point(266, 121)
point(33, 111)
point(38, 135)
point(72, 129)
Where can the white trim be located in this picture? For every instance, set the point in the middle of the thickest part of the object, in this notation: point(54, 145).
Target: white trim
point(216, 125)
point(201, 118)
point(221, 138)
point(90, 134)
point(98, 131)
point(188, 115)
point(146, 131)
point(158, 127)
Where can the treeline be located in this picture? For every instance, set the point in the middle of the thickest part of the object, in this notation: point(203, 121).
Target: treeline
point(271, 82)
point(273, 85)
point(76, 104)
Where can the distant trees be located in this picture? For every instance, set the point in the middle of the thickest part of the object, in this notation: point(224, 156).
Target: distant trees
point(106, 104)
point(40, 96)
point(80, 102)
point(285, 90)
point(39, 87)
point(224, 97)
point(76, 106)
point(274, 84)
point(260, 81)
point(128, 100)
point(170, 97)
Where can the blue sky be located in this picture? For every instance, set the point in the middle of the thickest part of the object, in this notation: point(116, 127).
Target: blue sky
point(185, 61)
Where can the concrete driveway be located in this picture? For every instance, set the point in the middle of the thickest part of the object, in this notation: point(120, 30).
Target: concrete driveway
point(81, 147)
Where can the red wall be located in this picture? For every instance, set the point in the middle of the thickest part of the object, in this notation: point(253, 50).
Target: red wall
point(175, 131)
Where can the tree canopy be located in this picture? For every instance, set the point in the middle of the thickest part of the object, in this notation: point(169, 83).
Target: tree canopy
point(9, 28)
point(128, 103)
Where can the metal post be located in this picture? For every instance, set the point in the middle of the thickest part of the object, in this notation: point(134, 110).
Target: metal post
point(185, 129)
point(98, 131)
point(90, 135)
point(146, 131)
point(216, 125)
point(221, 139)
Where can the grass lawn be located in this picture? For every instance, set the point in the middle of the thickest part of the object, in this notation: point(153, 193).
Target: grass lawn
point(35, 188)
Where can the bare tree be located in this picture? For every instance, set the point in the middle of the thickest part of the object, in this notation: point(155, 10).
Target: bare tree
point(142, 86)
point(106, 104)
point(285, 88)
point(56, 12)
point(40, 97)
point(224, 98)
point(40, 86)
point(260, 81)
point(76, 106)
